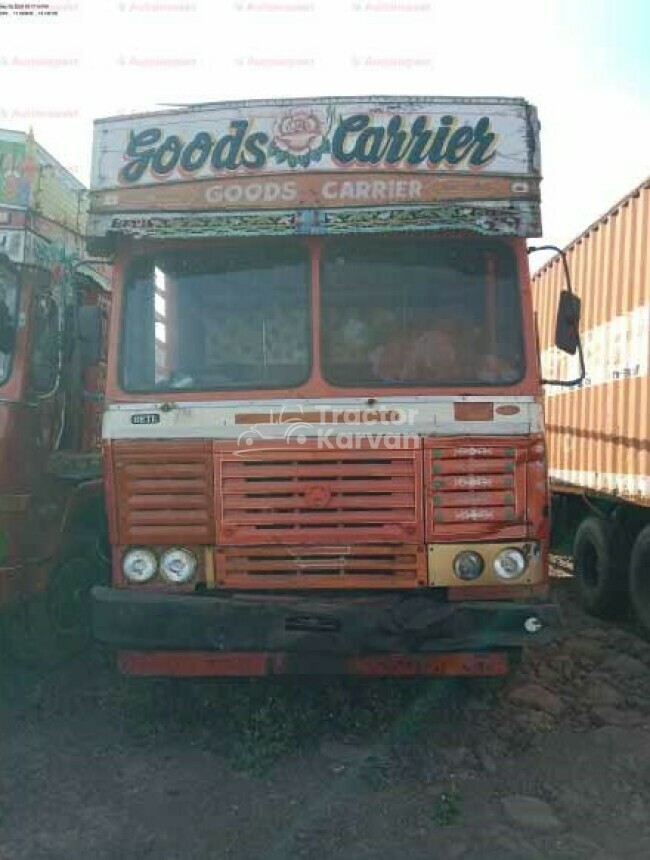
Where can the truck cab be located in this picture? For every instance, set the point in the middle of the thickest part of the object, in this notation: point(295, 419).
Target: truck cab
point(51, 511)
point(323, 436)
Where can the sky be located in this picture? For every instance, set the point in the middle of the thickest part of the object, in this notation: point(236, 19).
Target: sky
point(583, 63)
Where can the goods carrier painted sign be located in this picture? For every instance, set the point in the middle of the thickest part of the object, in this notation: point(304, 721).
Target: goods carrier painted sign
point(318, 166)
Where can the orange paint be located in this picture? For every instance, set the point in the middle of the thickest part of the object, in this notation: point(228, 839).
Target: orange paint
point(311, 189)
point(205, 663)
point(467, 411)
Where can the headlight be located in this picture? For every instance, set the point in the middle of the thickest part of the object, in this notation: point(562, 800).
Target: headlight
point(139, 565)
point(468, 565)
point(510, 563)
point(178, 565)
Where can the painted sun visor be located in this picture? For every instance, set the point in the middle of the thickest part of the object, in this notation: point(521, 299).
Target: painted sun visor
point(319, 166)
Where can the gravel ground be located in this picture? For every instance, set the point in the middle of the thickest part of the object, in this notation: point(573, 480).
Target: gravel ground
point(553, 762)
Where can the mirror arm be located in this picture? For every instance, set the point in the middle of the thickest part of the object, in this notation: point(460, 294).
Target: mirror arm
point(532, 249)
point(563, 383)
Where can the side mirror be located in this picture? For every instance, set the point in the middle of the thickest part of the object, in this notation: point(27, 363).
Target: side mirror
point(7, 330)
point(567, 323)
point(90, 334)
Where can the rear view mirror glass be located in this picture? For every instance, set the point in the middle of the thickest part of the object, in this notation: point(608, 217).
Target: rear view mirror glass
point(567, 325)
point(90, 334)
point(7, 330)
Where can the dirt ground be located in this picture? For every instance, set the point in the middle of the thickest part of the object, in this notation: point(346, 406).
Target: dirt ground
point(553, 763)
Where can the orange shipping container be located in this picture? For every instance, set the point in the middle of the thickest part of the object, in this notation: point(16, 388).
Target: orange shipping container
point(598, 433)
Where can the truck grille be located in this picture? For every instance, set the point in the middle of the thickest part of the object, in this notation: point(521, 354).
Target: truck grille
point(325, 566)
point(301, 495)
point(165, 492)
point(474, 488)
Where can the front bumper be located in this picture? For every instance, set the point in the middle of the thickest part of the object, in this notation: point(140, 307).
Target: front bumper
point(334, 625)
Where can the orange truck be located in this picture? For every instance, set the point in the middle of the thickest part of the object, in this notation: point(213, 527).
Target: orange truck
point(54, 306)
point(323, 436)
point(599, 433)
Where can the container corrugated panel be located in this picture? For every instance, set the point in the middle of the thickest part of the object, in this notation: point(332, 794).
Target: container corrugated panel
point(598, 433)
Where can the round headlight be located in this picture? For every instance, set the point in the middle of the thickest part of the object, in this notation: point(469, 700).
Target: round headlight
point(468, 565)
point(510, 563)
point(139, 565)
point(178, 565)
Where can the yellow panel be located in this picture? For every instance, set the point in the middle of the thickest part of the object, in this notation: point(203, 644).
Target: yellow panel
point(441, 556)
point(209, 567)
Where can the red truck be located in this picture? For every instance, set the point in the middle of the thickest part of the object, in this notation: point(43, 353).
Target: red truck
point(323, 438)
point(54, 307)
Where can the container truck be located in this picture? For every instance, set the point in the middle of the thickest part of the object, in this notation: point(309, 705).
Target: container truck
point(598, 433)
point(323, 436)
point(54, 305)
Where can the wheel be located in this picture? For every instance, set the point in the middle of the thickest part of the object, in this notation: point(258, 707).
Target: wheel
point(640, 579)
point(599, 566)
point(55, 625)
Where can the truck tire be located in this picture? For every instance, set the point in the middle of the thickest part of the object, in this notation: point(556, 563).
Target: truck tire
point(598, 570)
point(55, 625)
point(640, 580)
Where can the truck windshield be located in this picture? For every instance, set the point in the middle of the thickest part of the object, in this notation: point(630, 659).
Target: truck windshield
point(412, 312)
point(8, 318)
point(393, 311)
point(236, 318)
